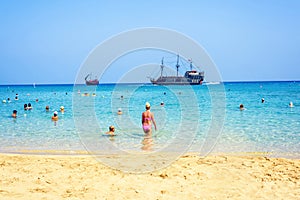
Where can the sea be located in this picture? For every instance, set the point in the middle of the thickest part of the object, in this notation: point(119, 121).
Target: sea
point(203, 118)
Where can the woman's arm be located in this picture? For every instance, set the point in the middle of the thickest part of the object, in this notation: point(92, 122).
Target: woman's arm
point(153, 120)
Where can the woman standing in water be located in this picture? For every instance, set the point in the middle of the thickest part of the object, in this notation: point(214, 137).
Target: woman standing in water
point(147, 118)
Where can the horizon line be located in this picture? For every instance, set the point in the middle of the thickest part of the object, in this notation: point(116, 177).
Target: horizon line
point(145, 83)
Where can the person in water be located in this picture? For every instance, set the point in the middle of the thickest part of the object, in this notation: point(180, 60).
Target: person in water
point(111, 131)
point(62, 109)
point(119, 111)
point(14, 114)
point(242, 107)
point(147, 118)
point(25, 107)
point(29, 106)
point(54, 117)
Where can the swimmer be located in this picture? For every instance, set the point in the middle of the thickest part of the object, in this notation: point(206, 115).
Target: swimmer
point(16, 98)
point(14, 114)
point(120, 111)
point(262, 100)
point(242, 107)
point(111, 131)
point(62, 109)
point(3, 101)
point(162, 103)
point(54, 117)
point(147, 117)
point(94, 94)
point(47, 108)
point(122, 97)
point(29, 106)
point(25, 107)
point(8, 100)
point(37, 100)
point(291, 104)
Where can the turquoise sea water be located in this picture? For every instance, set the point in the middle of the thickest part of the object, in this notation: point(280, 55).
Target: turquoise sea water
point(192, 118)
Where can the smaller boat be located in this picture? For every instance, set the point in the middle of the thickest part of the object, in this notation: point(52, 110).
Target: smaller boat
point(90, 81)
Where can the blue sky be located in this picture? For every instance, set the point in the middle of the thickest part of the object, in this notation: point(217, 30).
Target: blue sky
point(47, 41)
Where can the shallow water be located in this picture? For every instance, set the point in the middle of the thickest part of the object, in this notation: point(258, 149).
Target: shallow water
point(192, 119)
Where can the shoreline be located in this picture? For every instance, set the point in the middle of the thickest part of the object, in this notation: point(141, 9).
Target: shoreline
point(50, 152)
point(28, 176)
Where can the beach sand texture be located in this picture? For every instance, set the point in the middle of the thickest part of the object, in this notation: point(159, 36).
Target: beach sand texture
point(190, 177)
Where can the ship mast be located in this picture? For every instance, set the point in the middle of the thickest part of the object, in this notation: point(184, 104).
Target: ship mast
point(161, 67)
point(177, 65)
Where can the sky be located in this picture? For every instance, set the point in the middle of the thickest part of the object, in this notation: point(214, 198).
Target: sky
point(46, 42)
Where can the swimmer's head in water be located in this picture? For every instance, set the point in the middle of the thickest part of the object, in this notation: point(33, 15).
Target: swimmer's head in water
point(111, 128)
point(241, 106)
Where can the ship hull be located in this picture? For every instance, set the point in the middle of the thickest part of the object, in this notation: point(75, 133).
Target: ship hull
point(174, 80)
point(174, 83)
point(91, 82)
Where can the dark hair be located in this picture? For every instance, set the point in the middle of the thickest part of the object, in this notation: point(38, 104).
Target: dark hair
point(55, 114)
point(15, 111)
point(29, 104)
point(25, 105)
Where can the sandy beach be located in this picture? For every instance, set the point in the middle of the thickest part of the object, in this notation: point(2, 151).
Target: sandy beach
point(190, 177)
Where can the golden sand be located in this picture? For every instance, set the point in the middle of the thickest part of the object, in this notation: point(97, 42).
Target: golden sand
point(190, 177)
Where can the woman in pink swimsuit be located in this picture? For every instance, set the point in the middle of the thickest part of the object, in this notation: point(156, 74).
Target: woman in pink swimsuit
point(147, 117)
